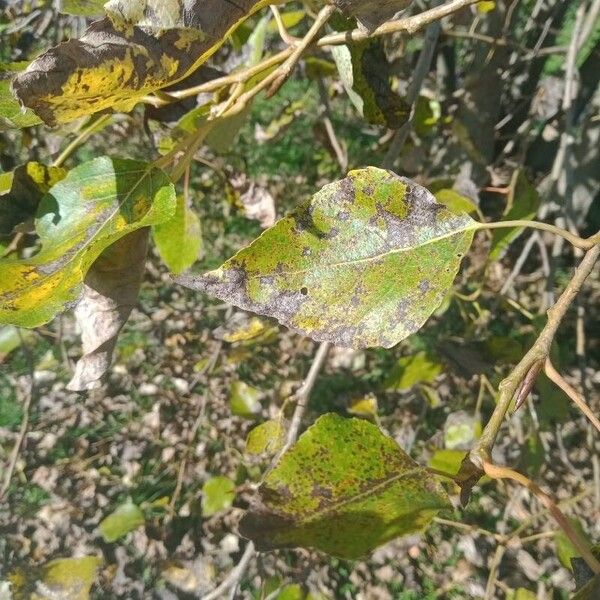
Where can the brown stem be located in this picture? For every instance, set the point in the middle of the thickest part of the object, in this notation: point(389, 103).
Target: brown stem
point(498, 472)
point(570, 391)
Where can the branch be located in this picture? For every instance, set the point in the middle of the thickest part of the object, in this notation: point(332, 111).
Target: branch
point(497, 472)
point(570, 391)
point(471, 469)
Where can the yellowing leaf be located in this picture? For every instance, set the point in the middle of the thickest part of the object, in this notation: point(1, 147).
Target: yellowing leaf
point(364, 263)
point(344, 488)
point(410, 370)
point(455, 202)
point(64, 578)
point(179, 240)
point(141, 47)
point(218, 494)
point(124, 519)
point(266, 438)
point(97, 204)
point(366, 406)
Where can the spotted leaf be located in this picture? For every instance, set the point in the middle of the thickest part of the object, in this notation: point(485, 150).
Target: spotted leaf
point(363, 263)
point(344, 488)
point(140, 47)
point(95, 205)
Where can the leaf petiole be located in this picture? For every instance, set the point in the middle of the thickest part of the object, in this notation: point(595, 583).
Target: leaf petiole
point(583, 243)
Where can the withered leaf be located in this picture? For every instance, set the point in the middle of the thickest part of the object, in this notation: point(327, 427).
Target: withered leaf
point(110, 292)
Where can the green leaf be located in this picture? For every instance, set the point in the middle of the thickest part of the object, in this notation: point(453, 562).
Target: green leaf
point(523, 203)
point(413, 369)
point(21, 191)
point(565, 549)
point(244, 400)
point(11, 112)
point(64, 578)
point(365, 73)
point(139, 48)
point(97, 204)
point(82, 8)
point(365, 262)
point(124, 519)
point(179, 240)
point(521, 593)
point(344, 488)
point(365, 406)
point(266, 438)
point(12, 338)
point(455, 202)
point(448, 461)
point(218, 494)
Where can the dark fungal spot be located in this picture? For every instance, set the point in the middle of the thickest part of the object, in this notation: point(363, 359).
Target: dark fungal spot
point(304, 291)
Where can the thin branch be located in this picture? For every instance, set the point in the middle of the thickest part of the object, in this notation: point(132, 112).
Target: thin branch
point(83, 135)
point(234, 576)
point(284, 34)
point(498, 472)
point(540, 350)
point(14, 456)
point(301, 397)
point(570, 391)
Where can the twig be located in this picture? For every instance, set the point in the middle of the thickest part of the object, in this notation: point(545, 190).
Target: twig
point(284, 71)
point(491, 582)
point(12, 462)
point(570, 391)
point(498, 472)
point(301, 397)
point(290, 40)
point(234, 576)
point(84, 134)
point(540, 350)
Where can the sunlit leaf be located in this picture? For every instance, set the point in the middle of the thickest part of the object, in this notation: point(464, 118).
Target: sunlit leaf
point(64, 578)
point(179, 240)
point(455, 202)
point(523, 203)
point(365, 406)
point(364, 263)
point(413, 369)
point(447, 461)
point(124, 519)
point(266, 438)
point(12, 338)
point(218, 494)
point(244, 400)
point(139, 48)
point(97, 203)
point(344, 488)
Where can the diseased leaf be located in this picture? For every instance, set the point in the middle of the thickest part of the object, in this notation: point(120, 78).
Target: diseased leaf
point(410, 370)
point(266, 438)
point(110, 292)
point(139, 48)
point(363, 263)
point(21, 191)
point(179, 240)
point(372, 13)
point(365, 73)
point(64, 578)
point(218, 494)
point(344, 488)
point(98, 203)
point(11, 112)
point(523, 203)
point(119, 523)
point(244, 400)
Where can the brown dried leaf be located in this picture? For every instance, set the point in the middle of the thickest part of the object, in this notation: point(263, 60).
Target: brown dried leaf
point(110, 293)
